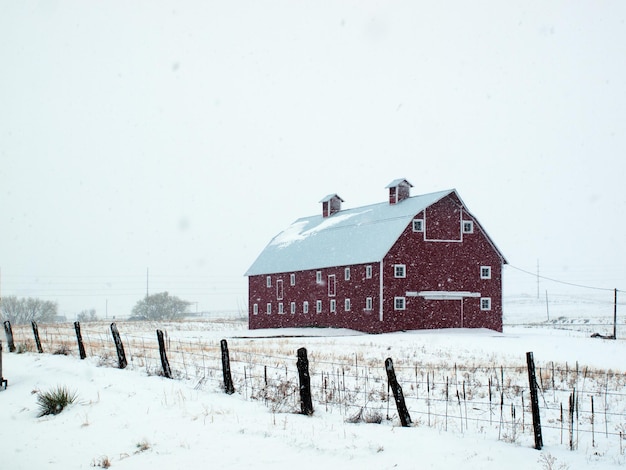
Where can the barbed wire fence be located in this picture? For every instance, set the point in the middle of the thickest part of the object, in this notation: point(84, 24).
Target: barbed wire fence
point(579, 406)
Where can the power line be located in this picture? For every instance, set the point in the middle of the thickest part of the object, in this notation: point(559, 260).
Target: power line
point(562, 282)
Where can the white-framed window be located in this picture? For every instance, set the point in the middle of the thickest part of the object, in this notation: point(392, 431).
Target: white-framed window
point(485, 272)
point(485, 303)
point(346, 305)
point(332, 291)
point(346, 274)
point(268, 281)
point(399, 270)
point(281, 309)
point(468, 226)
point(318, 277)
point(333, 305)
point(418, 225)
point(293, 307)
point(318, 306)
point(279, 289)
point(255, 309)
point(305, 307)
point(292, 279)
point(268, 309)
point(368, 271)
point(369, 304)
point(399, 303)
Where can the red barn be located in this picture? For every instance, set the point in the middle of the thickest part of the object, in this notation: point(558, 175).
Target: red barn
point(405, 264)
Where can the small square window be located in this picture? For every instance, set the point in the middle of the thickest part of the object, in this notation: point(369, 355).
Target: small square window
point(368, 272)
point(318, 306)
point(292, 279)
point(346, 305)
point(468, 226)
point(318, 277)
point(485, 303)
point(333, 305)
point(268, 281)
point(399, 270)
point(255, 309)
point(418, 225)
point(305, 307)
point(399, 303)
point(269, 309)
point(281, 310)
point(369, 304)
point(485, 272)
point(346, 274)
point(293, 307)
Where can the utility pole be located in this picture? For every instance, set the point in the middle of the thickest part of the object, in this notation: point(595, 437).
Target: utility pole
point(615, 314)
point(147, 281)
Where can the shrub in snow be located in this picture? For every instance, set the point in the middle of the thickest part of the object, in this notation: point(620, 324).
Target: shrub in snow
point(54, 401)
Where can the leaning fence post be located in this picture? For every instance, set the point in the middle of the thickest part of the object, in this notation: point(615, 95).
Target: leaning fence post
point(403, 412)
point(306, 403)
point(167, 372)
point(9, 332)
point(3, 381)
point(79, 338)
point(228, 380)
point(36, 333)
point(121, 355)
point(534, 400)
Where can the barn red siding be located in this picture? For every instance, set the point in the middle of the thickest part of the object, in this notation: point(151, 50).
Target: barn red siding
point(440, 258)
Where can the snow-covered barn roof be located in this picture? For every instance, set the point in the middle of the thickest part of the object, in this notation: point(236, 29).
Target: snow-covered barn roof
point(352, 236)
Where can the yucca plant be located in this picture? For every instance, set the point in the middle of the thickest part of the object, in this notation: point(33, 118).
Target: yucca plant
point(54, 401)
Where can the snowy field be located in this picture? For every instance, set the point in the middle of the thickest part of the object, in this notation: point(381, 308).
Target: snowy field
point(135, 418)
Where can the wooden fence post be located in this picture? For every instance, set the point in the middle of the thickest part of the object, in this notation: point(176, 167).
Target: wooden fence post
point(167, 372)
point(403, 412)
point(121, 355)
point(306, 403)
point(36, 333)
point(228, 380)
point(79, 338)
point(3, 381)
point(534, 400)
point(9, 332)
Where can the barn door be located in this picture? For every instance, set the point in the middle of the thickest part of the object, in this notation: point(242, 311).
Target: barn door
point(279, 289)
point(331, 285)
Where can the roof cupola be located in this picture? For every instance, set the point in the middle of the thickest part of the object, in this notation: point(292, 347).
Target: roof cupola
point(399, 190)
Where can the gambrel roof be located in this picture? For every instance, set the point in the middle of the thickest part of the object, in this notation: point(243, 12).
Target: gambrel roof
point(352, 236)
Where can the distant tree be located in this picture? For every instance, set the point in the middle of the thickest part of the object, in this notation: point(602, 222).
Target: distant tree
point(25, 310)
point(160, 306)
point(87, 315)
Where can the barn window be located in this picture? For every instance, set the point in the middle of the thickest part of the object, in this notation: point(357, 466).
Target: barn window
point(346, 305)
point(268, 309)
point(399, 270)
point(293, 307)
point(485, 303)
point(368, 272)
point(333, 305)
point(305, 307)
point(318, 306)
point(346, 274)
point(268, 281)
point(279, 289)
point(468, 226)
point(331, 285)
point(399, 303)
point(369, 304)
point(281, 309)
point(318, 277)
point(292, 279)
point(255, 309)
point(418, 225)
point(485, 272)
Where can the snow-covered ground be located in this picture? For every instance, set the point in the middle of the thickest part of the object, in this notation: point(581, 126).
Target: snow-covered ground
point(135, 419)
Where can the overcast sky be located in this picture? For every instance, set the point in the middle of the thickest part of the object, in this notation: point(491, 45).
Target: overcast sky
point(181, 136)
